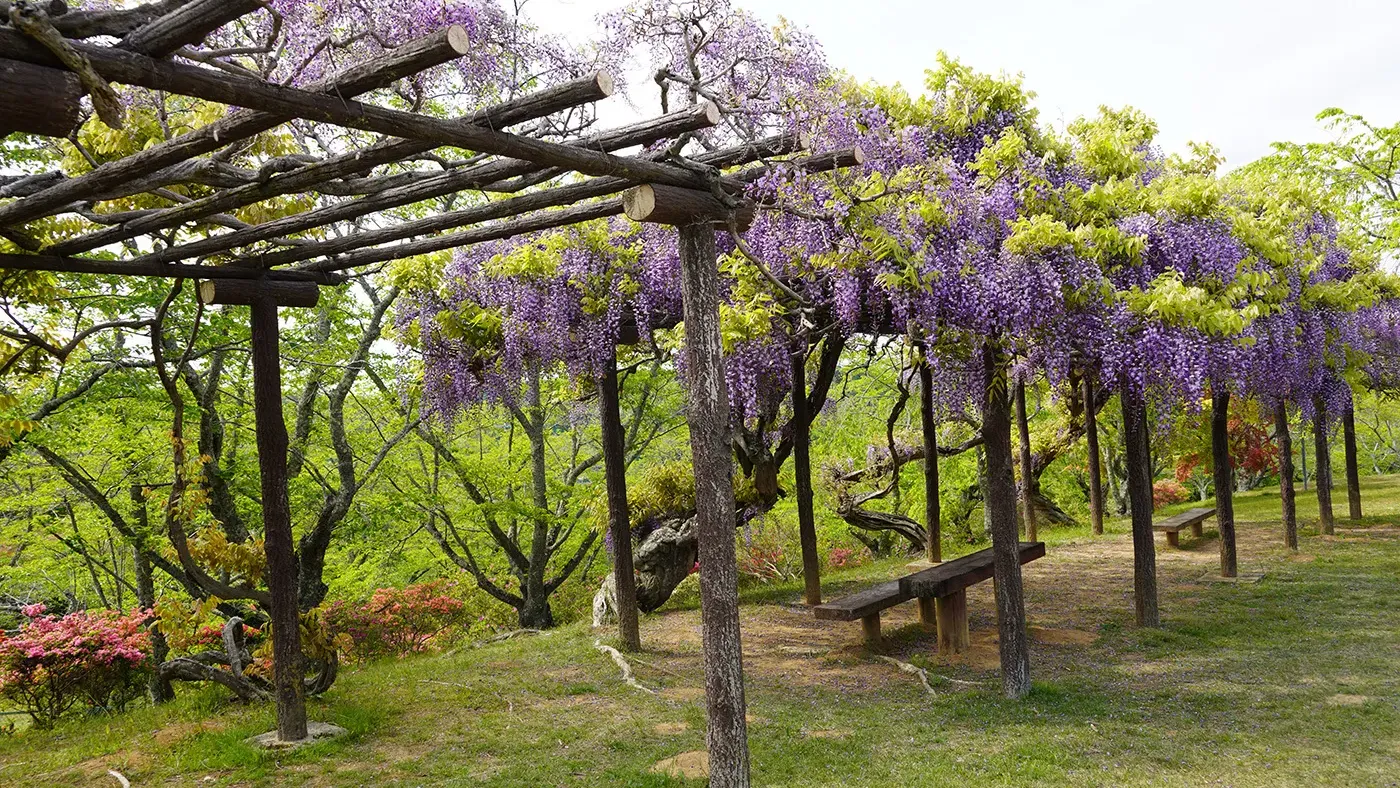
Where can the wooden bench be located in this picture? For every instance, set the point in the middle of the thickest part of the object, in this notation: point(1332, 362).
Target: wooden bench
point(941, 591)
point(1191, 518)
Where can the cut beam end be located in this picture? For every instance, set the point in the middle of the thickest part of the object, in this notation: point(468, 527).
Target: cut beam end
point(244, 292)
point(605, 82)
point(656, 203)
point(457, 39)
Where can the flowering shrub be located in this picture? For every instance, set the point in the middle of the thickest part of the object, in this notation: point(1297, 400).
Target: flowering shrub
point(397, 622)
point(1168, 492)
point(845, 557)
point(52, 663)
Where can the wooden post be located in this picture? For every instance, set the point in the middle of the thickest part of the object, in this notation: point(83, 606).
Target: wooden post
point(1023, 431)
point(615, 471)
point(953, 634)
point(1224, 477)
point(929, 423)
point(1091, 433)
point(277, 522)
point(802, 469)
point(1285, 475)
point(1353, 468)
point(928, 613)
point(1000, 497)
point(1322, 473)
point(1139, 461)
point(870, 630)
point(708, 418)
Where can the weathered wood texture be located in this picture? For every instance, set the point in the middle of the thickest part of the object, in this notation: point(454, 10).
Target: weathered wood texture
point(186, 25)
point(247, 292)
point(954, 634)
point(1138, 457)
point(1287, 493)
point(1000, 506)
point(39, 100)
point(1322, 474)
point(619, 523)
point(708, 419)
point(960, 573)
point(802, 472)
point(1353, 468)
point(1027, 488)
point(1091, 440)
point(1224, 471)
point(1191, 518)
point(928, 424)
point(661, 204)
point(282, 571)
point(81, 265)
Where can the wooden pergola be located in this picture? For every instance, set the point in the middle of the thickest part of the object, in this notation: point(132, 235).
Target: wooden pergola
point(47, 66)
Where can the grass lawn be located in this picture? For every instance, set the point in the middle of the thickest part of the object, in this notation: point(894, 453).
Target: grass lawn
point(1293, 680)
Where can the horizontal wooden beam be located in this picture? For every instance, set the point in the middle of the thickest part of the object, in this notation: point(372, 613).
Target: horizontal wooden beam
point(39, 100)
point(81, 265)
point(656, 203)
point(246, 292)
point(529, 107)
point(224, 88)
point(377, 72)
point(186, 25)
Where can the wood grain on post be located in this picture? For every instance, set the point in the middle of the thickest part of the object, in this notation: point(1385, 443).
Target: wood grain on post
point(1091, 435)
point(953, 633)
point(929, 426)
point(39, 100)
point(250, 292)
point(1287, 494)
point(1224, 473)
point(619, 523)
point(708, 419)
point(802, 471)
point(1138, 457)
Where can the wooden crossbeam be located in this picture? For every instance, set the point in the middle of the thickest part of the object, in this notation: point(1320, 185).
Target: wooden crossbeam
point(186, 25)
point(255, 94)
point(529, 107)
point(660, 204)
point(376, 72)
point(246, 292)
point(79, 265)
point(39, 100)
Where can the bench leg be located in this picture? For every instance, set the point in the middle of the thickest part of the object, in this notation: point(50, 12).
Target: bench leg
point(870, 627)
point(928, 613)
point(953, 636)
point(1197, 530)
point(1174, 538)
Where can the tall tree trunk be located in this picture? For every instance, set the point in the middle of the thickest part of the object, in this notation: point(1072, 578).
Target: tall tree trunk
point(1322, 473)
point(620, 527)
point(708, 417)
point(929, 423)
point(1023, 431)
point(1224, 477)
point(1138, 458)
point(1000, 504)
point(158, 689)
point(1353, 471)
point(802, 470)
point(1285, 475)
point(288, 686)
point(536, 613)
point(1091, 435)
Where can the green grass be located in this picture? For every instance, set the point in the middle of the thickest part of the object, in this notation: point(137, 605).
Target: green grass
point(1294, 680)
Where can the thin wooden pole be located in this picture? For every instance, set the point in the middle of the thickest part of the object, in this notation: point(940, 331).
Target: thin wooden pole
point(1322, 472)
point(1023, 431)
point(1224, 478)
point(1091, 433)
point(1287, 494)
point(802, 469)
point(615, 471)
point(1139, 461)
point(929, 423)
point(277, 523)
point(1000, 495)
point(708, 419)
point(1353, 467)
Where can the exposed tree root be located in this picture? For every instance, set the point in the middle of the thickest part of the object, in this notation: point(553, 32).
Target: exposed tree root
point(912, 669)
point(627, 677)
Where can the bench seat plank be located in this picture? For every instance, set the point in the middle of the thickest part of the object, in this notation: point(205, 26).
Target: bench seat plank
point(958, 574)
point(1188, 518)
point(862, 604)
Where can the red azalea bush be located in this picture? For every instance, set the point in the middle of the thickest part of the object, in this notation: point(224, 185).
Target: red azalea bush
point(1168, 492)
point(845, 557)
point(397, 621)
point(101, 657)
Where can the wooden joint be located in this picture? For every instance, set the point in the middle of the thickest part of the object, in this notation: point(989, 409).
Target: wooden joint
point(245, 292)
point(661, 204)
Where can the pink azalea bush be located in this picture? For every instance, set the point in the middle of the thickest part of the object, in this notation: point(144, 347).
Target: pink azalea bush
point(99, 657)
point(1168, 492)
point(845, 557)
point(396, 622)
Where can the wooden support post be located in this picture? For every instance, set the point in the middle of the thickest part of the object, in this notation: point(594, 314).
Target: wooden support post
point(1091, 439)
point(1173, 538)
point(1000, 503)
point(929, 426)
point(1287, 494)
point(708, 418)
point(1023, 431)
point(870, 628)
point(1353, 467)
point(1224, 479)
point(953, 634)
point(282, 568)
point(39, 100)
point(615, 471)
point(1198, 531)
point(928, 613)
point(802, 470)
point(1139, 460)
point(1322, 473)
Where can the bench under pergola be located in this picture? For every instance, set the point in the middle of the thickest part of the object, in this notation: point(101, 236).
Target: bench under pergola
point(47, 66)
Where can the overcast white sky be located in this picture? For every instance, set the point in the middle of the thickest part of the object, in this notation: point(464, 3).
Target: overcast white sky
point(1237, 73)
